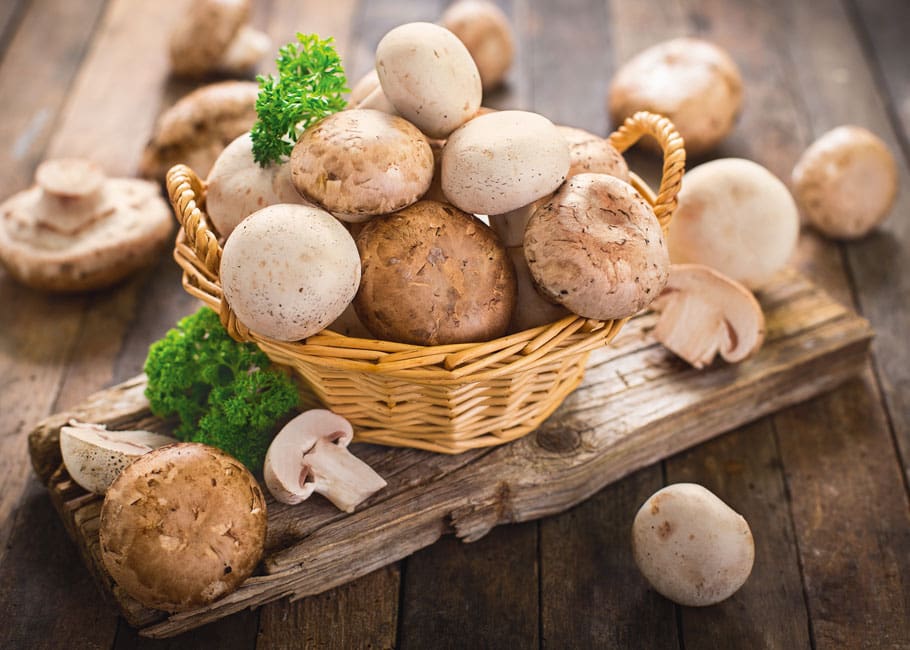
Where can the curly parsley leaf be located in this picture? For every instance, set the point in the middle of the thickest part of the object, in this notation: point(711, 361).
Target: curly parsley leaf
point(309, 86)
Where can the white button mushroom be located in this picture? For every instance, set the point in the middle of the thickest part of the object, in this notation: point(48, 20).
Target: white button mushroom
point(736, 217)
point(287, 271)
point(597, 249)
point(237, 186)
point(310, 455)
point(689, 80)
point(703, 312)
point(691, 546)
point(362, 162)
point(846, 182)
point(503, 161)
point(429, 76)
point(367, 93)
point(486, 32)
point(94, 456)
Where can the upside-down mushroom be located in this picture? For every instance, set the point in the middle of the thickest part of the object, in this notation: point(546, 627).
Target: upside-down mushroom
point(310, 455)
point(703, 313)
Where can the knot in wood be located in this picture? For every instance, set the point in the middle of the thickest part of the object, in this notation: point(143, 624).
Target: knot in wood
point(560, 437)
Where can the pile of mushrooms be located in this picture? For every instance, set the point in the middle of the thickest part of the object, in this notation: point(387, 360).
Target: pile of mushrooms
point(414, 188)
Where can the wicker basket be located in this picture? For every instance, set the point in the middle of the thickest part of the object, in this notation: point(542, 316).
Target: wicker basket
point(446, 398)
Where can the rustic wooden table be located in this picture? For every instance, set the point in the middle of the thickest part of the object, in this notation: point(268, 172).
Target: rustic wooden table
point(824, 484)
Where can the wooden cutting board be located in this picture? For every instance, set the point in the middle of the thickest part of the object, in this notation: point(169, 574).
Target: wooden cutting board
point(637, 405)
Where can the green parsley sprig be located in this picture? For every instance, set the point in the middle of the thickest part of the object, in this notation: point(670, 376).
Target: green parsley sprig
point(309, 86)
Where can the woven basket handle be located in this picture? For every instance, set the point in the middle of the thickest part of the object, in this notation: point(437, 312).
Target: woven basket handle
point(671, 143)
point(184, 188)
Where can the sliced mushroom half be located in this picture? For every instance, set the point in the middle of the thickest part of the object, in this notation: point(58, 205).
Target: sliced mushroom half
point(703, 313)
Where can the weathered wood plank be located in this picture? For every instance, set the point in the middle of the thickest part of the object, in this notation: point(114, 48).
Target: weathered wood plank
point(580, 450)
point(592, 593)
point(360, 614)
point(743, 469)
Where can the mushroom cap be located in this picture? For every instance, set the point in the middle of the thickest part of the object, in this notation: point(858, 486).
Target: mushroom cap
point(846, 182)
point(691, 546)
point(94, 456)
point(199, 126)
point(429, 76)
point(590, 153)
point(201, 39)
point(237, 186)
point(433, 275)
point(736, 217)
point(703, 313)
point(362, 162)
point(486, 32)
point(597, 248)
point(287, 271)
point(693, 82)
point(531, 308)
point(367, 93)
point(283, 470)
point(182, 526)
point(79, 231)
point(502, 161)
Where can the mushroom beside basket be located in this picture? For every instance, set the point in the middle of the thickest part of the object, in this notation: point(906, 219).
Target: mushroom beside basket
point(445, 398)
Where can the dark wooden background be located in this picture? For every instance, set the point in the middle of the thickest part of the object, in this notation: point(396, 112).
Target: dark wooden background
point(824, 485)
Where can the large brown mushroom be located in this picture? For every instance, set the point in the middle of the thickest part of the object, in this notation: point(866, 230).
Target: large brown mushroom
point(196, 129)
point(361, 163)
point(597, 249)
point(182, 526)
point(703, 312)
point(432, 275)
point(78, 230)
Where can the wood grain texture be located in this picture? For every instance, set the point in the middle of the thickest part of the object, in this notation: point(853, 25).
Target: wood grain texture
point(605, 430)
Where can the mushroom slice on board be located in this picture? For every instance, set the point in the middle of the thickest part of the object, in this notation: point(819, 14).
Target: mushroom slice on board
point(703, 312)
point(94, 456)
point(310, 455)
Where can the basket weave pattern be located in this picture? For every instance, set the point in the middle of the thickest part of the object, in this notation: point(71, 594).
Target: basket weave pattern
point(445, 398)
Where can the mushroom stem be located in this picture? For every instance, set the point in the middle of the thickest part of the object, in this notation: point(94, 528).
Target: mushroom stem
point(70, 194)
point(338, 475)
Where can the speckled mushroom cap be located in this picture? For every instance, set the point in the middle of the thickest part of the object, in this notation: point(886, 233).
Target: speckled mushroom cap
point(360, 163)
point(589, 153)
point(693, 82)
point(238, 186)
point(597, 248)
point(485, 31)
point(289, 270)
point(204, 34)
point(196, 129)
point(182, 526)
point(845, 183)
point(432, 275)
point(77, 230)
point(502, 161)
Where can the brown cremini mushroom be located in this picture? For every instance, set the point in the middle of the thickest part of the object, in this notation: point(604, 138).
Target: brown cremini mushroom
point(288, 271)
point(196, 129)
point(432, 275)
point(360, 163)
point(214, 36)
point(486, 32)
point(429, 76)
point(846, 182)
point(703, 313)
point(310, 454)
point(531, 308)
point(238, 186)
point(597, 249)
point(693, 82)
point(182, 526)
point(77, 230)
